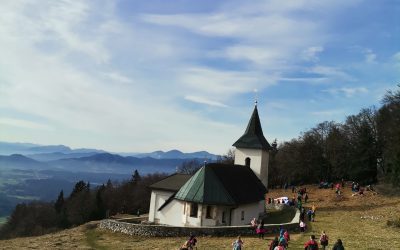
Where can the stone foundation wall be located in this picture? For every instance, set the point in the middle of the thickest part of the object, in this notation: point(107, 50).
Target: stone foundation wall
point(170, 231)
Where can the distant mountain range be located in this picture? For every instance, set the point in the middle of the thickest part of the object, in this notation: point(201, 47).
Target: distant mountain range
point(30, 156)
point(176, 154)
point(58, 152)
point(29, 171)
point(8, 148)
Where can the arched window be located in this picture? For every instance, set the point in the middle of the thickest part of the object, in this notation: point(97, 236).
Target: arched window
point(247, 162)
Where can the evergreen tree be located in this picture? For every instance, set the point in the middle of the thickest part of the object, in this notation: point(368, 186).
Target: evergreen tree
point(136, 177)
point(60, 202)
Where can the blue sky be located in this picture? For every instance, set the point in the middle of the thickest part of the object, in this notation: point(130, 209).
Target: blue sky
point(136, 76)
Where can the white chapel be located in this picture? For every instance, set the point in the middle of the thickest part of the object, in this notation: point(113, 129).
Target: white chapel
point(217, 194)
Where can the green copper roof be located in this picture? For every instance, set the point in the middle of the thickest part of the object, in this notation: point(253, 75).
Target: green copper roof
point(220, 184)
point(253, 137)
point(204, 187)
point(171, 183)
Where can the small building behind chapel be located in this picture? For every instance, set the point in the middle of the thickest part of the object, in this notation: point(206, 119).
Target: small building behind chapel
point(217, 194)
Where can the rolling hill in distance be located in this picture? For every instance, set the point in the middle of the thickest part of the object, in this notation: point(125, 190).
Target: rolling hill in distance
point(38, 172)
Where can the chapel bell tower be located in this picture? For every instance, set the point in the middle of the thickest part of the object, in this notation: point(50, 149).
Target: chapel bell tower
point(252, 149)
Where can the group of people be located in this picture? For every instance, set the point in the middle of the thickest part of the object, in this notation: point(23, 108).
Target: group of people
point(281, 242)
point(310, 216)
point(312, 244)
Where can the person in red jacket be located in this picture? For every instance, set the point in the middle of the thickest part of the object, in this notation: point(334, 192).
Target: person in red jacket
point(311, 244)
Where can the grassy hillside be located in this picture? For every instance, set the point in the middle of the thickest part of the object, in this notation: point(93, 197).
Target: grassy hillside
point(359, 221)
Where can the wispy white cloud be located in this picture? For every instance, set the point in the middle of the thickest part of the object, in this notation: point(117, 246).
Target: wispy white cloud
point(203, 100)
point(331, 72)
point(328, 113)
point(20, 123)
point(222, 83)
point(311, 53)
point(348, 92)
point(115, 76)
point(311, 80)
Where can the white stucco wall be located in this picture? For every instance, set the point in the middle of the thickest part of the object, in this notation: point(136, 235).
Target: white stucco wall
point(251, 211)
point(176, 213)
point(258, 162)
point(152, 206)
point(170, 214)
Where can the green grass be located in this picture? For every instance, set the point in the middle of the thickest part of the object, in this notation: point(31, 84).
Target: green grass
point(92, 237)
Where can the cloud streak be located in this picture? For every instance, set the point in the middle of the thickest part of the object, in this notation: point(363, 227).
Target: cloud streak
point(202, 100)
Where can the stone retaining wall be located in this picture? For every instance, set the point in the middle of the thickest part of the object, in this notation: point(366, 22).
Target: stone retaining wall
point(171, 231)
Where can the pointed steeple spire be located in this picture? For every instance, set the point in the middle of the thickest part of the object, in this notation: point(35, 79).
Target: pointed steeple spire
point(253, 137)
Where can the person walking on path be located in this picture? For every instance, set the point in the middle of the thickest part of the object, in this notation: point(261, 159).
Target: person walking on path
point(238, 243)
point(311, 244)
point(338, 245)
point(323, 239)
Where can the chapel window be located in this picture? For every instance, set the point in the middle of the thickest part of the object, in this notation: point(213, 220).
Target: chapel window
point(208, 212)
point(193, 209)
point(247, 162)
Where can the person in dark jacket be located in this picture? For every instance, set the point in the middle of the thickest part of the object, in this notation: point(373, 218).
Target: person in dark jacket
point(274, 243)
point(338, 245)
point(311, 244)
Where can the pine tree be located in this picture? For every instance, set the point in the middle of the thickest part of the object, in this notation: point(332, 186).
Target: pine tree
point(60, 202)
point(136, 177)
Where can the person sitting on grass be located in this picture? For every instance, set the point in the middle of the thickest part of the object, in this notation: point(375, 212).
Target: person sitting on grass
point(190, 244)
point(186, 246)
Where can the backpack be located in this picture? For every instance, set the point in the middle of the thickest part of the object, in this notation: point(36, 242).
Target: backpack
point(312, 247)
point(324, 240)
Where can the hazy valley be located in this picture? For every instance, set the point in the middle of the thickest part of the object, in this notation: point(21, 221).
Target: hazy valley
point(34, 172)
